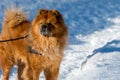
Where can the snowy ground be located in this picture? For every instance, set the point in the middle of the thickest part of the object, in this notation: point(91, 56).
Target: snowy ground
point(94, 37)
point(98, 56)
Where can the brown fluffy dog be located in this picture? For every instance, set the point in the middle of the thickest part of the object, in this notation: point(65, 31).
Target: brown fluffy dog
point(15, 25)
point(47, 40)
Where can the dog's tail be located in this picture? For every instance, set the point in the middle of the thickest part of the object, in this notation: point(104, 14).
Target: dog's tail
point(14, 16)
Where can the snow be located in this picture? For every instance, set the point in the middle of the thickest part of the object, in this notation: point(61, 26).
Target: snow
point(94, 37)
point(103, 65)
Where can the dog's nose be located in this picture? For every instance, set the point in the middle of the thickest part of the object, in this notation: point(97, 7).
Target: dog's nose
point(43, 28)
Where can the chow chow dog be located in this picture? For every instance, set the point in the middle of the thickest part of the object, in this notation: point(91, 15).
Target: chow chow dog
point(43, 48)
point(47, 40)
point(13, 49)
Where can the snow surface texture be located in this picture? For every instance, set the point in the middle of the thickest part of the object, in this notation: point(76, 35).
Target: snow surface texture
point(94, 36)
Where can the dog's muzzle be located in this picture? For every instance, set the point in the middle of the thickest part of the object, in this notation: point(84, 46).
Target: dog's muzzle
point(45, 30)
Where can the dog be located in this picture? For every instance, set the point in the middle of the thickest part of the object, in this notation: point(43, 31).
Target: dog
point(13, 50)
point(47, 41)
point(43, 48)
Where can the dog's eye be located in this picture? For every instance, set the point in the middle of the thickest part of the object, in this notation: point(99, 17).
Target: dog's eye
point(50, 23)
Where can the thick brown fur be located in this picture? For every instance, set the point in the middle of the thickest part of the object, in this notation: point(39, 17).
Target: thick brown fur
point(15, 25)
point(49, 48)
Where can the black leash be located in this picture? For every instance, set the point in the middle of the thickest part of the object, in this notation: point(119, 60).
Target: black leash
point(14, 39)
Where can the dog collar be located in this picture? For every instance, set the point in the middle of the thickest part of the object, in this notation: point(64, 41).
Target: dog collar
point(33, 51)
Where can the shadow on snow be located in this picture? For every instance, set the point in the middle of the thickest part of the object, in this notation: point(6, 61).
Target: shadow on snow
point(108, 48)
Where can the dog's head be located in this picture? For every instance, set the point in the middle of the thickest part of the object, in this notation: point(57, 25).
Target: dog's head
point(49, 23)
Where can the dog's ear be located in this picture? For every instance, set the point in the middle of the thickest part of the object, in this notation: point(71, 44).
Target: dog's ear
point(40, 11)
point(58, 16)
point(56, 13)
